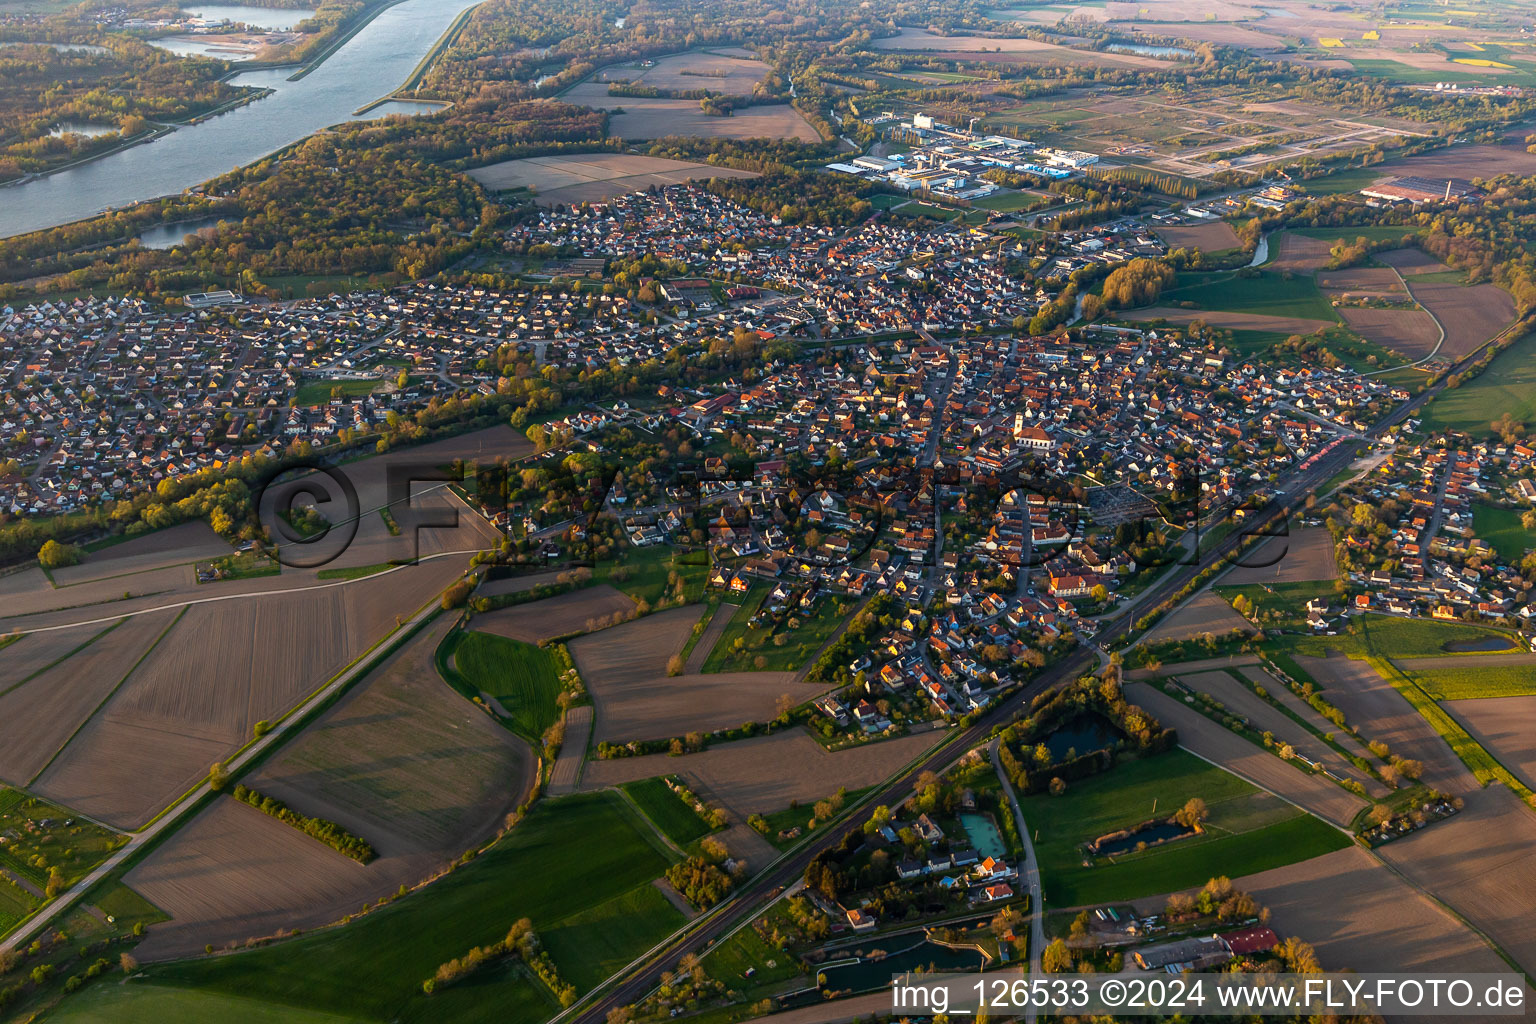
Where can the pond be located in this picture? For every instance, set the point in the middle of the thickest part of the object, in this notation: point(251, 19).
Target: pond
point(90, 131)
point(167, 236)
point(867, 974)
point(984, 836)
point(1152, 833)
point(202, 46)
point(410, 108)
point(62, 47)
point(273, 19)
point(1146, 50)
point(1081, 734)
point(1479, 645)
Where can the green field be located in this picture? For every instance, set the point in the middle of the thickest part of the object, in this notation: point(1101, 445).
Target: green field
point(1289, 600)
point(1501, 528)
point(591, 945)
point(763, 643)
point(318, 392)
point(1370, 232)
point(1473, 681)
point(1386, 636)
point(568, 864)
point(1508, 385)
point(642, 572)
point(157, 1004)
point(522, 677)
point(1248, 830)
point(353, 572)
point(666, 810)
point(1269, 294)
point(1008, 202)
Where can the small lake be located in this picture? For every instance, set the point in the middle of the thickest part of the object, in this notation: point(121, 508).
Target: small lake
point(273, 19)
point(1165, 52)
point(167, 236)
point(984, 836)
point(90, 131)
point(410, 108)
point(1159, 832)
point(1081, 734)
point(61, 47)
point(1480, 645)
point(201, 46)
point(867, 975)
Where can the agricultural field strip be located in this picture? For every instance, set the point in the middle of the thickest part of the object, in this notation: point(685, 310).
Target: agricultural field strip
point(172, 815)
point(106, 698)
point(239, 597)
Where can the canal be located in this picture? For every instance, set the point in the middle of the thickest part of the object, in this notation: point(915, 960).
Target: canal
point(371, 64)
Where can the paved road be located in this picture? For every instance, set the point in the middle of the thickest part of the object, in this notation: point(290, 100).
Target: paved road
point(1031, 878)
point(642, 975)
point(172, 816)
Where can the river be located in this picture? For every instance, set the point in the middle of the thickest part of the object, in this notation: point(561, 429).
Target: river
point(370, 65)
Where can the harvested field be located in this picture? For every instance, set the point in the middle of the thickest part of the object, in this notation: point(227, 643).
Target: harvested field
point(1471, 314)
point(23, 582)
point(1361, 281)
point(1207, 613)
point(237, 873)
point(1212, 237)
point(515, 584)
point(175, 545)
point(646, 117)
point(1338, 902)
point(566, 773)
point(34, 652)
point(124, 774)
point(1203, 665)
point(1204, 738)
point(537, 621)
point(733, 774)
point(193, 701)
point(1409, 332)
point(1465, 161)
point(1306, 712)
point(1299, 253)
point(732, 74)
point(1411, 262)
point(1505, 726)
point(1231, 321)
point(711, 636)
point(625, 669)
point(1482, 863)
point(1303, 556)
point(998, 50)
point(1265, 717)
point(593, 177)
point(1371, 705)
point(402, 761)
point(38, 717)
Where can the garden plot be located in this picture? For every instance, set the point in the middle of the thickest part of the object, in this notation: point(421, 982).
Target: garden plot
point(625, 669)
